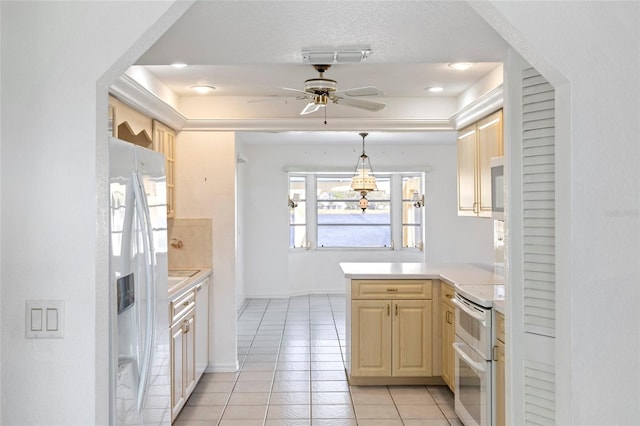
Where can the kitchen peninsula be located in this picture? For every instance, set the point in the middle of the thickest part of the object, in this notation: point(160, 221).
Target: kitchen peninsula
point(394, 326)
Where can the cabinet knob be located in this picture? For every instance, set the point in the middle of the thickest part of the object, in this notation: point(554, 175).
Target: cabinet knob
point(185, 303)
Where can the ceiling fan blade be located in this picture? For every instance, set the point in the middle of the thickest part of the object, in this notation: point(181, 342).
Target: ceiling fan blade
point(295, 90)
point(360, 91)
point(359, 103)
point(269, 99)
point(311, 107)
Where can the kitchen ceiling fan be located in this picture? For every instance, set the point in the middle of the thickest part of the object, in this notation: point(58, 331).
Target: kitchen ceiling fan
point(319, 91)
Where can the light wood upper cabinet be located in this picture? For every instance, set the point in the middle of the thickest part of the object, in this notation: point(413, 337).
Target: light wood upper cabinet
point(164, 142)
point(477, 144)
point(467, 164)
point(448, 336)
point(390, 328)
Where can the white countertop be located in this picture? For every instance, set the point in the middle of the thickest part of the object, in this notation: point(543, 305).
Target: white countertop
point(187, 280)
point(479, 283)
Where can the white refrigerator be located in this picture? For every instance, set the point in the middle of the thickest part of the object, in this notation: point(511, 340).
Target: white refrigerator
point(140, 372)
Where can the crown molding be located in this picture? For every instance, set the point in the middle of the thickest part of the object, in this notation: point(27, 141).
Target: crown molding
point(317, 124)
point(479, 108)
point(139, 98)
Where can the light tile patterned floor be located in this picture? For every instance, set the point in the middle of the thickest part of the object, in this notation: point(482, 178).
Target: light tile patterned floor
point(292, 374)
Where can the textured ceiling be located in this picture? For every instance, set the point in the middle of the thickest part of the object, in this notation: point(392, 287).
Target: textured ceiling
point(250, 50)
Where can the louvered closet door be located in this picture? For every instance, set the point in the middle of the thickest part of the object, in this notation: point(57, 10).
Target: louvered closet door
point(538, 216)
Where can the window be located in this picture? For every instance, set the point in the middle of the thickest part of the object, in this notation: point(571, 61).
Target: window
point(342, 224)
point(324, 211)
point(297, 211)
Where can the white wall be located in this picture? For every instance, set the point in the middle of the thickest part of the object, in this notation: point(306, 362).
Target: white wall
point(272, 270)
point(206, 188)
point(0, 221)
point(591, 52)
point(53, 55)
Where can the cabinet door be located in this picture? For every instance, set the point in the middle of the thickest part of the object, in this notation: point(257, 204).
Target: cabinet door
point(189, 353)
point(164, 142)
point(371, 338)
point(489, 145)
point(448, 337)
point(411, 345)
point(178, 391)
point(202, 327)
point(467, 181)
point(500, 385)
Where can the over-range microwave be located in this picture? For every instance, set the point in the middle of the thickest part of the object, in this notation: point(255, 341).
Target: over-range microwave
point(497, 188)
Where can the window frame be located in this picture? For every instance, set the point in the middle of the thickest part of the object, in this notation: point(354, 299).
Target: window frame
point(396, 200)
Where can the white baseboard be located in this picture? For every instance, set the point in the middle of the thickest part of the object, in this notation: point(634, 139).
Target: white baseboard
point(223, 368)
point(293, 294)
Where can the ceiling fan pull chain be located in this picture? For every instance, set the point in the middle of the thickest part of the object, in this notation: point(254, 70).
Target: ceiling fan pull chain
point(325, 116)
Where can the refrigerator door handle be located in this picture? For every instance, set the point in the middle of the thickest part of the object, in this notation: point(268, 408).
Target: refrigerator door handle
point(147, 242)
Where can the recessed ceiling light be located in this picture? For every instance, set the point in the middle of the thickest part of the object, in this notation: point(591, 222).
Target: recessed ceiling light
point(178, 65)
point(203, 89)
point(461, 66)
point(435, 89)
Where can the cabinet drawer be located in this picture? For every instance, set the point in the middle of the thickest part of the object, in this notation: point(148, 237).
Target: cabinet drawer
point(179, 306)
point(391, 289)
point(447, 293)
point(500, 327)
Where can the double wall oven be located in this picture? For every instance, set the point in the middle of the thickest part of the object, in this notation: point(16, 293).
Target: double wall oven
point(473, 351)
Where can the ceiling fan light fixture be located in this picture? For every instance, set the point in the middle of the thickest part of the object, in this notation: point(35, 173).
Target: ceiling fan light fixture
point(321, 99)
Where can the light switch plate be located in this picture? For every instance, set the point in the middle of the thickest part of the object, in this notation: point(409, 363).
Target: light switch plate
point(44, 319)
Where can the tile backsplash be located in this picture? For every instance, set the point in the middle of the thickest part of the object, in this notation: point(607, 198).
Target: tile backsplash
point(190, 243)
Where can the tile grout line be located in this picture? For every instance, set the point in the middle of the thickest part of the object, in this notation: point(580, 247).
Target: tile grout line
point(235, 383)
point(269, 320)
point(275, 367)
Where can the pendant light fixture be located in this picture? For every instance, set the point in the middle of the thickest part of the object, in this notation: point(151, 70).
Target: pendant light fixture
point(363, 180)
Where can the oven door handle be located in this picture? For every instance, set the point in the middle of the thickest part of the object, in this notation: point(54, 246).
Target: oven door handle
point(469, 312)
point(478, 367)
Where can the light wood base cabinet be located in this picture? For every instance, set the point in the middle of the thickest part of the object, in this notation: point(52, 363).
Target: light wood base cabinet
point(390, 331)
point(448, 335)
point(202, 327)
point(183, 377)
point(500, 366)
